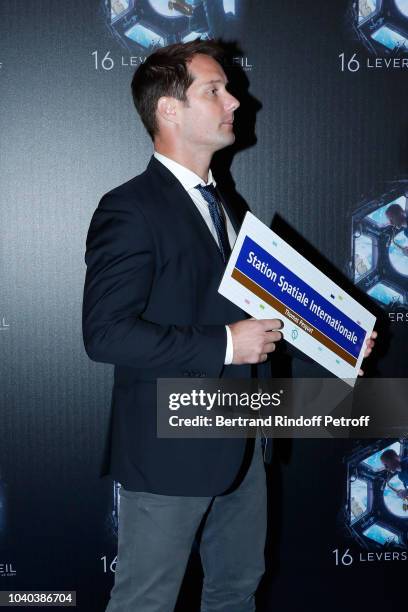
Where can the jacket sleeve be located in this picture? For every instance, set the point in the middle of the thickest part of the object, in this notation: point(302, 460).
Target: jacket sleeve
point(120, 259)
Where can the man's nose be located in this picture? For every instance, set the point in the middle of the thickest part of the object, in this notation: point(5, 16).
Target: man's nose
point(231, 103)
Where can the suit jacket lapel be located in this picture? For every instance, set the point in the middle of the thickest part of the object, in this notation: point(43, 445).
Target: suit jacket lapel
point(179, 198)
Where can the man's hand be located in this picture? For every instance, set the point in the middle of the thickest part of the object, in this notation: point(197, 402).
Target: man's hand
point(253, 339)
point(370, 342)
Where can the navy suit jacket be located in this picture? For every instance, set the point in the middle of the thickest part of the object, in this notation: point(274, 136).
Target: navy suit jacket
point(151, 308)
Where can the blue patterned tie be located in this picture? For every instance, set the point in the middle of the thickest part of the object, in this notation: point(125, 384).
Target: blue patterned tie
point(214, 206)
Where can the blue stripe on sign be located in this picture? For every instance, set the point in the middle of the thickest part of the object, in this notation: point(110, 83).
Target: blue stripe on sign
point(277, 273)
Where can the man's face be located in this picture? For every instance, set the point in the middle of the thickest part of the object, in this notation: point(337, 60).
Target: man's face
point(205, 119)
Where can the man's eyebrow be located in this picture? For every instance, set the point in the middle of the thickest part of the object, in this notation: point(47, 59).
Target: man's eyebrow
point(212, 81)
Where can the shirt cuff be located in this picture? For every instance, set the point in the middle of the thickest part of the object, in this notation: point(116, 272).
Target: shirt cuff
point(229, 353)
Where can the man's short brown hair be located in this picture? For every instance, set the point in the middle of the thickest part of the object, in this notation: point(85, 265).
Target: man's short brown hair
point(165, 73)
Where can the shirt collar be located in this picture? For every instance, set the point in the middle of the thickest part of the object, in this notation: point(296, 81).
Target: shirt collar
point(187, 178)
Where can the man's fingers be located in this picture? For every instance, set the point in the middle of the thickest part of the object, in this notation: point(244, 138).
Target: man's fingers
point(273, 336)
point(253, 339)
point(271, 324)
point(269, 347)
point(372, 338)
point(369, 344)
point(270, 341)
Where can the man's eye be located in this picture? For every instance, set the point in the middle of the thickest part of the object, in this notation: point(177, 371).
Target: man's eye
point(213, 91)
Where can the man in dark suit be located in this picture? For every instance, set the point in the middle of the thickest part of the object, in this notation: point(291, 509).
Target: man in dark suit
point(156, 252)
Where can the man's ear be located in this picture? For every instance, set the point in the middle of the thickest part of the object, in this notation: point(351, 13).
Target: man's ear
point(167, 109)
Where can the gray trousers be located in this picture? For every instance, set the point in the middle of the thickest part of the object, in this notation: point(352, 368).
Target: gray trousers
point(156, 533)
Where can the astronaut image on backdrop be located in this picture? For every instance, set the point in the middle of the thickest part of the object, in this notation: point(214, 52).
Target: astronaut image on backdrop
point(397, 467)
point(397, 216)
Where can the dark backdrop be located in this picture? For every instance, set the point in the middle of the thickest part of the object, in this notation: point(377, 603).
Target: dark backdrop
point(326, 140)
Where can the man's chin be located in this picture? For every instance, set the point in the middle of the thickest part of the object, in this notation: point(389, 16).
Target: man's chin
point(227, 140)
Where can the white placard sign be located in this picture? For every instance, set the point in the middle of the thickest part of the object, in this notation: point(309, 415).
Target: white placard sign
point(269, 279)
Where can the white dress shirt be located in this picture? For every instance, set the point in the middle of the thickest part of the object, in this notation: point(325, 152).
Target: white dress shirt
point(189, 180)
